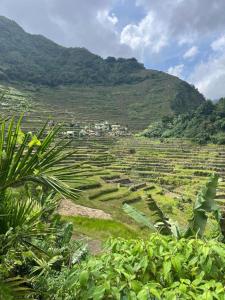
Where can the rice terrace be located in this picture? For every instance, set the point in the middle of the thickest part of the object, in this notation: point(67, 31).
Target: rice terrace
point(115, 170)
point(112, 174)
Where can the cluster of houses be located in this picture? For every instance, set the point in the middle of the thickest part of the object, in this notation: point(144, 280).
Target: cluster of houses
point(96, 130)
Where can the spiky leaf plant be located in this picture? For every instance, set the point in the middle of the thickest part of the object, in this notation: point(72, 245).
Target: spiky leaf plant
point(15, 288)
point(30, 161)
point(27, 158)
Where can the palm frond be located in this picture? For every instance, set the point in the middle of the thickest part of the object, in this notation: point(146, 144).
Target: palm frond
point(15, 288)
point(18, 212)
point(55, 184)
point(43, 266)
point(33, 158)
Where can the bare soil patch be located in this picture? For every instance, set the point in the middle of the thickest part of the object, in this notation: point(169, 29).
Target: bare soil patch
point(68, 208)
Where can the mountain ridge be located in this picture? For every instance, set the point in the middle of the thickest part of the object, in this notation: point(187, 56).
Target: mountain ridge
point(37, 58)
point(127, 91)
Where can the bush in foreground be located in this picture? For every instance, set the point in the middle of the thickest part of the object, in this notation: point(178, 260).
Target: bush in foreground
point(160, 268)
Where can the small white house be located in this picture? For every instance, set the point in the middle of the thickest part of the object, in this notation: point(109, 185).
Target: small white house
point(82, 133)
point(115, 127)
point(69, 134)
point(104, 126)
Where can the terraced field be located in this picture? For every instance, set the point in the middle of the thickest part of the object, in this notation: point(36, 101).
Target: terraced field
point(180, 167)
point(114, 171)
point(131, 169)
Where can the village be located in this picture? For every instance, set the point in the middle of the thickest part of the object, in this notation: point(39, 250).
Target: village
point(96, 130)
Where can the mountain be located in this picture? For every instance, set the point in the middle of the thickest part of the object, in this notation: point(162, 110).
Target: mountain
point(204, 125)
point(119, 90)
point(33, 58)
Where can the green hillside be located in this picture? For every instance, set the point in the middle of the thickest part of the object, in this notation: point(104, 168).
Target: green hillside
point(135, 105)
point(205, 125)
point(119, 90)
point(35, 59)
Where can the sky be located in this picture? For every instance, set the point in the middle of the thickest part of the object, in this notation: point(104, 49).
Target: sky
point(185, 38)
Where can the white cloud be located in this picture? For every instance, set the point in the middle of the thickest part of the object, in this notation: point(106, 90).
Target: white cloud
point(219, 44)
point(188, 16)
point(149, 33)
point(200, 17)
point(186, 39)
point(72, 23)
point(176, 70)
point(209, 77)
point(104, 17)
point(166, 25)
point(190, 53)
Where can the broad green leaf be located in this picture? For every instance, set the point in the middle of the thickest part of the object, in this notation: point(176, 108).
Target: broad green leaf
point(99, 292)
point(166, 268)
point(143, 294)
point(154, 292)
point(21, 137)
point(83, 278)
point(138, 216)
point(205, 202)
point(176, 263)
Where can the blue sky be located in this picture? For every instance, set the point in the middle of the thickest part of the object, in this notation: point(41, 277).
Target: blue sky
point(185, 38)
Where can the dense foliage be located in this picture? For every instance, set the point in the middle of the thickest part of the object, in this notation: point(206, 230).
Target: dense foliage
point(34, 58)
point(40, 260)
point(33, 239)
point(160, 268)
point(204, 204)
point(204, 125)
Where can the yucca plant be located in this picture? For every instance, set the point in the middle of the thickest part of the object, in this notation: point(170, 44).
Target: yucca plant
point(16, 212)
point(30, 158)
point(205, 203)
point(20, 222)
point(26, 158)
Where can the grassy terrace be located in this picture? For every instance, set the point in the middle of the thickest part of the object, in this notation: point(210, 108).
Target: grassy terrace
point(127, 170)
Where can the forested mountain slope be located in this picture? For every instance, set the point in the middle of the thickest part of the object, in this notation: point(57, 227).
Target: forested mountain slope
point(120, 90)
point(205, 125)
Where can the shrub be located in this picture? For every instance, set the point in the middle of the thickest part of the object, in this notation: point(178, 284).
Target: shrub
point(204, 125)
point(160, 268)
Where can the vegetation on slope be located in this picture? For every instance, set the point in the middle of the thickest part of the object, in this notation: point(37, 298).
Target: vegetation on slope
point(39, 259)
point(205, 125)
point(161, 268)
point(135, 105)
point(34, 58)
point(205, 203)
point(118, 90)
point(31, 240)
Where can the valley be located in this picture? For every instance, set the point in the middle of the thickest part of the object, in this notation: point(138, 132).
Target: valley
point(114, 170)
point(112, 175)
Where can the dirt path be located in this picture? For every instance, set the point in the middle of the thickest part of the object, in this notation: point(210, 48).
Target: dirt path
point(68, 208)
